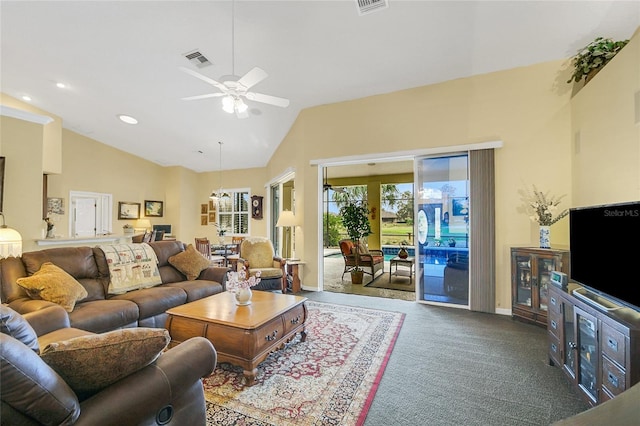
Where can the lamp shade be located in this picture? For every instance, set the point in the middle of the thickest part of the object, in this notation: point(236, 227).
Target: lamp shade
point(286, 218)
point(143, 223)
point(10, 242)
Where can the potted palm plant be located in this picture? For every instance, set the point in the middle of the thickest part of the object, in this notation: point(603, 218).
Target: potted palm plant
point(355, 218)
point(595, 55)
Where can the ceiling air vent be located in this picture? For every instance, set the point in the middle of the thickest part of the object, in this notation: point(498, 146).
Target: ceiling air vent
point(197, 58)
point(368, 6)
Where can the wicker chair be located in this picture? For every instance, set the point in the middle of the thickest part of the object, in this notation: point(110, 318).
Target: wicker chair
point(371, 261)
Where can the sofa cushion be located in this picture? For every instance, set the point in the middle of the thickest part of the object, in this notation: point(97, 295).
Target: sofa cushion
point(31, 387)
point(198, 289)
point(79, 262)
point(53, 284)
point(190, 262)
point(91, 363)
point(14, 325)
point(99, 316)
point(154, 301)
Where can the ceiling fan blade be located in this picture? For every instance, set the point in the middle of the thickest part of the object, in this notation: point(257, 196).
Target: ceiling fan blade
point(268, 99)
point(205, 79)
point(208, 95)
point(253, 77)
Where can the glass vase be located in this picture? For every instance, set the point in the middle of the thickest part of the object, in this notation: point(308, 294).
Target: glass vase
point(545, 237)
point(243, 296)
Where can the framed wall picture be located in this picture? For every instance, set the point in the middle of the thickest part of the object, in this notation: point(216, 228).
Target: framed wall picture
point(203, 219)
point(153, 208)
point(204, 208)
point(212, 205)
point(212, 218)
point(55, 205)
point(128, 210)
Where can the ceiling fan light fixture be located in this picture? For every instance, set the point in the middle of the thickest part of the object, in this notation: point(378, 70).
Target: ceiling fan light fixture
point(241, 106)
point(228, 104)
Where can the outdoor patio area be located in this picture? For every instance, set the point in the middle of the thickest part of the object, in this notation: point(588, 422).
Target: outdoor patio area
point(333, 282)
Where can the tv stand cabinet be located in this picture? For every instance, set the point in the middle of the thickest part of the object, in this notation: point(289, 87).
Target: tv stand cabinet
point(596, 346)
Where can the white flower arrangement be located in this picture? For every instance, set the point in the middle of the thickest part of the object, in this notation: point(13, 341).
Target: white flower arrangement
point(238, 280)
point(540, 207)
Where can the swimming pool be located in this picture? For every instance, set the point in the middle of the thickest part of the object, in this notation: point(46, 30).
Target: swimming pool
point(389, 252)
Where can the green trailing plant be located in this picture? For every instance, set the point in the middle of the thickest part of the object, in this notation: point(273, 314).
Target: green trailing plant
point(593, 56)
point(355, 219)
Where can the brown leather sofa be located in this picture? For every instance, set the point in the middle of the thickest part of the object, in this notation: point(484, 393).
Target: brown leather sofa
point(99, 311)
point(167, 391)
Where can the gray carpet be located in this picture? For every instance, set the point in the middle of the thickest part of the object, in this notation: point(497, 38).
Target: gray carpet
point(455, 367)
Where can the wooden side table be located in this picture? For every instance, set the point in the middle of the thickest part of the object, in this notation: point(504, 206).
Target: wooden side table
point(294, 270)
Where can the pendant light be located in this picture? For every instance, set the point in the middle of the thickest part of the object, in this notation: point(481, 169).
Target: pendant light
point(218, 195)
point(10, 241)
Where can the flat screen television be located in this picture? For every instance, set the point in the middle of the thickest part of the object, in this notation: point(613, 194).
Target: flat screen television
point(165, 228)
point(605, 251)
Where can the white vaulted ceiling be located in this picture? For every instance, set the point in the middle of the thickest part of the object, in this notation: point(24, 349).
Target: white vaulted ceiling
point(123, 57)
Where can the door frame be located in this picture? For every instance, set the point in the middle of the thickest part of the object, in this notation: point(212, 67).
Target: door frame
point(104, 211)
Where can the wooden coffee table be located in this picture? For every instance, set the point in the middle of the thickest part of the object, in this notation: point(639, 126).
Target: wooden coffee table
point(241, 335)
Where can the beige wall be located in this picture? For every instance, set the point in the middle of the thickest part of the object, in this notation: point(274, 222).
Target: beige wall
point(521, 107)
point(529, 109)
point(22, 147)
point(51, 134)
point(606, 138)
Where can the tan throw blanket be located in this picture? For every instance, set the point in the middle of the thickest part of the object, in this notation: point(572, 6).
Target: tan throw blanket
point(131, 267)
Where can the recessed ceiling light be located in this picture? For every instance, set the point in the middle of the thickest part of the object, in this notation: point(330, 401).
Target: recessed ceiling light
point(127, 119)
point(61, 85)
point(26, 98)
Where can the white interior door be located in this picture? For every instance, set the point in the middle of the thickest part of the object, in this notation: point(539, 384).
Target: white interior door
point(84, 213)
point(90, 214)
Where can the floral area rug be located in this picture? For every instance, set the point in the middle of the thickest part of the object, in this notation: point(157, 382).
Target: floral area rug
point(329, 379)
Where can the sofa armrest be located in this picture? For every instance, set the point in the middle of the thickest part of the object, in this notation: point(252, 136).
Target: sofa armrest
point(138, 398)
point(48, 319)
point(215, 273)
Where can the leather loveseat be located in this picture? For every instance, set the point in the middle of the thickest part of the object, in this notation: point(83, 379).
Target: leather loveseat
point(166, 391)
point(100, 311)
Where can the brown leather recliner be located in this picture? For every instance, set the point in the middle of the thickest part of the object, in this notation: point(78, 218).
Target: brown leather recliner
point(167, 391)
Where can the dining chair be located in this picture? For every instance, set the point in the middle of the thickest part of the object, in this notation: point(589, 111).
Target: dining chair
point(203, 245)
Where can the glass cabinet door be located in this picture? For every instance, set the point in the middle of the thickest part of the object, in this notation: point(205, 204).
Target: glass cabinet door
point(570, 345)
point(545, 266)
point(523, 280)
point(588, 357)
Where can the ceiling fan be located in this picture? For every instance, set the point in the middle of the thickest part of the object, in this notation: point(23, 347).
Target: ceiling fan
point(327, 186)
point(234, 88)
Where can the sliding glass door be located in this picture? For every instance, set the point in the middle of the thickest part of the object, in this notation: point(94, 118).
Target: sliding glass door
point(442, 226)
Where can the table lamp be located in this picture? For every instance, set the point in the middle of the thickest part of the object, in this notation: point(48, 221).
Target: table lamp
point(288, 220)
point(143, 224)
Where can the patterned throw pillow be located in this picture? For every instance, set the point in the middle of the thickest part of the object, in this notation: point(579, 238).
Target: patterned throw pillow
point(91, 363)
point(190, 262)
point(53, 284)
